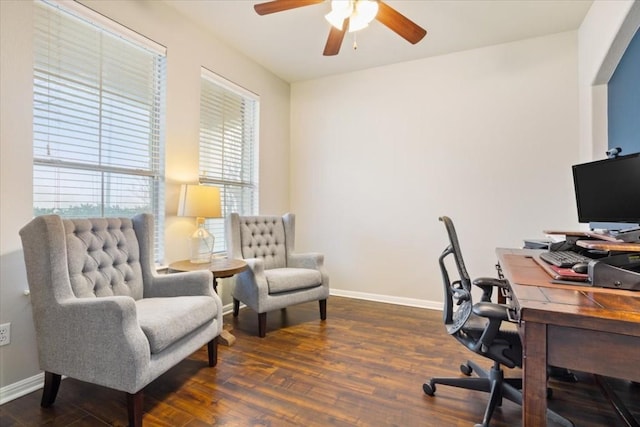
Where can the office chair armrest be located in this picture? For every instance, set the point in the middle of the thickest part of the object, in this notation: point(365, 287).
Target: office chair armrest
point(496, 313)
point(491, 311)
point(487, 284)
point(491, 281)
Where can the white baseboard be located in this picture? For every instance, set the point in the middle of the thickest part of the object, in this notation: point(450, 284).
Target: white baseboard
point(411, 302)
point(228, 308)
point(21, 388)
point(31, 384)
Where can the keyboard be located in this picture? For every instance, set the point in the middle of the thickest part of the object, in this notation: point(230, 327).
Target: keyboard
point(564, 259)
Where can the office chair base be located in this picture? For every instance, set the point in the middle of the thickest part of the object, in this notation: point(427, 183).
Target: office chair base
point(494, 383)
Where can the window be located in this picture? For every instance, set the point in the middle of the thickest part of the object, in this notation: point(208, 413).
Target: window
point(98, 115)
point(228, 148)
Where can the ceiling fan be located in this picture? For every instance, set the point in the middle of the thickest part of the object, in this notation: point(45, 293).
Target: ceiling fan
point(351, 15)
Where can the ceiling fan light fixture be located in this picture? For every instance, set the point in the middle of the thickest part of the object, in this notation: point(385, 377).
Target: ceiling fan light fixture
point(359, 12)
point(340, 10)
point(351, 15)
point(364, 12)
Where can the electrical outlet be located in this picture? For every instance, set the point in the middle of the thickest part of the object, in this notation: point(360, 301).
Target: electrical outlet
point(5, 334)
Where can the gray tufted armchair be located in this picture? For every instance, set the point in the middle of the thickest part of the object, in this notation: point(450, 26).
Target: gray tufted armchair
point(277, 277)
point(102, 314)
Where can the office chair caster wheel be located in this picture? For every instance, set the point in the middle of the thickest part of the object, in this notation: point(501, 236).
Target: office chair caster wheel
point(429, 389)
point(466, 369)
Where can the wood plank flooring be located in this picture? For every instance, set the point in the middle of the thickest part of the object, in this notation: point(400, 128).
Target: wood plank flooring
point(364, 366)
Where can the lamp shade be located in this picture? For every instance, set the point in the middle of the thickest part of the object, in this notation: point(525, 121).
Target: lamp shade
point(201, 201)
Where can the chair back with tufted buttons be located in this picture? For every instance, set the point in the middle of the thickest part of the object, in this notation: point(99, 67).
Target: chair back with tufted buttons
point(264, 237)
point(103, 256)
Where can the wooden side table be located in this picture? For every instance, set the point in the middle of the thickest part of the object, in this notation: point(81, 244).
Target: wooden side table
point(221, 268)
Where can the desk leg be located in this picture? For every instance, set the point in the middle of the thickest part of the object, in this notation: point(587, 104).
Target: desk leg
point(226, 337)
point(534, 402)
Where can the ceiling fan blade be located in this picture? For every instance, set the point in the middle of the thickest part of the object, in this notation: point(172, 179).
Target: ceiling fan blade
point(399, 23)
point(334, 41)
point(282, 5)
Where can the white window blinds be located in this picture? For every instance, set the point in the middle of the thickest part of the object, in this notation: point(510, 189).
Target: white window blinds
point(228, 148)
point(98, 118)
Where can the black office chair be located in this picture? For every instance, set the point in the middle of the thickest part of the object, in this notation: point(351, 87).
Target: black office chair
point(478, 327)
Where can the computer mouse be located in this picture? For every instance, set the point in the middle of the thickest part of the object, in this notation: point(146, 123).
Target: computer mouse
point(581, 267)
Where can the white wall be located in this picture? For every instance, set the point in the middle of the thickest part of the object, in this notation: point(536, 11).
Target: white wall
point(485, 136)
point(188, 48)
point(19, 359)
point(604, 35)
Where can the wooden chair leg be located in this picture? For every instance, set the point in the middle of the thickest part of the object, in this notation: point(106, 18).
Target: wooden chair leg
point(134, 408)
point(323, 309)
point(212, 350)
point(51, 386)
point(262, 325)
point(236, 307)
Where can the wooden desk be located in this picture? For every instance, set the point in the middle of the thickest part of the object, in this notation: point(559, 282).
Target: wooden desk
point(588, 329)
point(221, 268)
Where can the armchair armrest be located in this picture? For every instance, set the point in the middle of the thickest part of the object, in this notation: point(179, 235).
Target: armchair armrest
point(253, 277)
point(256, 265)
point(310, 260)
point(104, 330)
point(180, 284)
point(256, 269)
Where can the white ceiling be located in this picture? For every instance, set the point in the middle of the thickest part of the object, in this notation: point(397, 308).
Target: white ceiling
point(290, 43)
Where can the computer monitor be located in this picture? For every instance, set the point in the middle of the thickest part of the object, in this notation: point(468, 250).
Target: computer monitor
point(609, 191)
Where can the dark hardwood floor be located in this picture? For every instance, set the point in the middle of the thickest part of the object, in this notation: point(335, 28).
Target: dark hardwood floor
point(364, 366)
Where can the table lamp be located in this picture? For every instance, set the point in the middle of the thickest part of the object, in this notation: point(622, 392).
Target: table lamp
point(200, 201)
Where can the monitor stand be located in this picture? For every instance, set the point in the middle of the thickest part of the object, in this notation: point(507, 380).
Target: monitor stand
point(629, 236)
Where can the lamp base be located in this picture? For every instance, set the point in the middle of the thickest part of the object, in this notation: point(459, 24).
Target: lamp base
point(201, 244)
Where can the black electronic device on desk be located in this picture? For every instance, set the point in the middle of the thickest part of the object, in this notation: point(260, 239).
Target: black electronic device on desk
point(564, 259)
point(566, 254)
point(601, 263)
point(607, 191)
point(621, 270)
point(564, 275)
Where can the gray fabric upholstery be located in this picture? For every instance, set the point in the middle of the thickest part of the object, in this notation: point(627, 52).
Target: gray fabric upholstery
point(101, 312)
point(165, 320)
point(263, 237)
point(292, 279)
point(277, 277)
point(103, 257)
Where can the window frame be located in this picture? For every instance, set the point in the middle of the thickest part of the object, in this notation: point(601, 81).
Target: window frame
point(63, 119)
point(250, 147)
